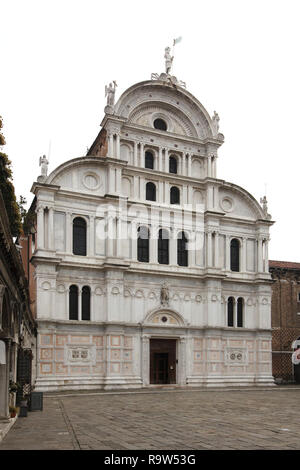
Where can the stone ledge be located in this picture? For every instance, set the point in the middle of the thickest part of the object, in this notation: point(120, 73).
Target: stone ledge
point(5, 426)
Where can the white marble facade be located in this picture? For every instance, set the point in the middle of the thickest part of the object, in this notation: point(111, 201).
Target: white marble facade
point(107, 189)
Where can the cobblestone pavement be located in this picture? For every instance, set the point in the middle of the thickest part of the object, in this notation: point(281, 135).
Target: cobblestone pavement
point(162, 419)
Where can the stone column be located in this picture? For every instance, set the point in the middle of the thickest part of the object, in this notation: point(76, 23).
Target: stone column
point(50, 228)
point(209, 249)
point(209, 166)
point(119, 237)
point(183, 164)
point(160, 158)
point(110, 145)
point(190, 195)
point(227, 253)
point(167, 192)
point(173, 248)
point(153, 244)
point(40, 227)
point(142, 158)
point(118, 180)
point(234, 312)
point(136, 187)
point(145, 363)
point(181, 372)
point(184, 194)
point(259, 255)
point(244, 255)
point(135, 153)
point(189, 164)
point(80, 303)
point(166, 160)
point(216, 240)
point(92, 236)
point(214, 167)
point(266, 261)
point(69, 232)
point(118, 145)
point(134, 240)
point(142, 188)
point(110, 236)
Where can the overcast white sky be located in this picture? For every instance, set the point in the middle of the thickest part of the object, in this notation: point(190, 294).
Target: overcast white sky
point(238, 57)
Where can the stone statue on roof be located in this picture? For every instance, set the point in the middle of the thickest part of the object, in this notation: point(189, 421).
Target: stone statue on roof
point(110, 91)
point(43, 163)
point(168, 60)
point(215, 121)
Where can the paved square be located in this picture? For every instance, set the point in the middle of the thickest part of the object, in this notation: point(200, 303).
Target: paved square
point(163, 419)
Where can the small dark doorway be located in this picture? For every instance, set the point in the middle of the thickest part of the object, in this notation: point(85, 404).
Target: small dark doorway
point(162, 361)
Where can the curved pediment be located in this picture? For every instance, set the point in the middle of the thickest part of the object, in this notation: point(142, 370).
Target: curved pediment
point(140, 103)
point(235, 201)
point(84, 174)
point(164, 317)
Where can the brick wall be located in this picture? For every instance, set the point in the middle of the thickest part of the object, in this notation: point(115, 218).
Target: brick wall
point(285, 318)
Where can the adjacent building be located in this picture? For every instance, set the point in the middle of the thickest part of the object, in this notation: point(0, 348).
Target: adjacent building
point(149, 268)
point(17, 325)
point(285, 319)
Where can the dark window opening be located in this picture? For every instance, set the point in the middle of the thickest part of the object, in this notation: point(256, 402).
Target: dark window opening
point(160, 124)
point(182, 252)
point(163, 247)
point(172, 165)
point(174, 195)
point(235, 255)
point(73, 303)
point(79, 236)
point(149, 160)
point(86, 303)
point(240, 312)
point(230, 311)
point(150, 192)
point(143, 244)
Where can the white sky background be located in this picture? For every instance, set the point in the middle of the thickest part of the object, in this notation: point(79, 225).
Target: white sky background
point(238, 57)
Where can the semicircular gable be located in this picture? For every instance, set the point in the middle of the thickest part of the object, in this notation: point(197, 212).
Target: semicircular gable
point(178, 100)
point(84, 174)
point(178, 123)
point(163, 317)
point(237, 202)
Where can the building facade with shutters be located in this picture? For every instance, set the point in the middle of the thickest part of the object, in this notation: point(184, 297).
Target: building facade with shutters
point(149, 269)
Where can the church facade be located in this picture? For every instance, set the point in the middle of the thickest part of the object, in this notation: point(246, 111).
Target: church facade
point(149, 269)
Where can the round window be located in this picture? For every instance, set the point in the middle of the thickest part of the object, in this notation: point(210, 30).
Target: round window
point(160, 124)
point(164, 319)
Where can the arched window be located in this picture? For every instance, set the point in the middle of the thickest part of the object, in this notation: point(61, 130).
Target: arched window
point(163, 246)
point(149, 160)
point(86, 303)
point(174, 195)
point(234, 255)
point(143, 244)
point(150, 192)
point(172, 165)
point(182, 252)
point(240, 314)
point(79, 236)
point(73, 303)
point(230, 302)
point(160, 124)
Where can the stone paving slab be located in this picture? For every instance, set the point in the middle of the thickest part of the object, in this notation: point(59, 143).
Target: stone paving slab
point(199, 419)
